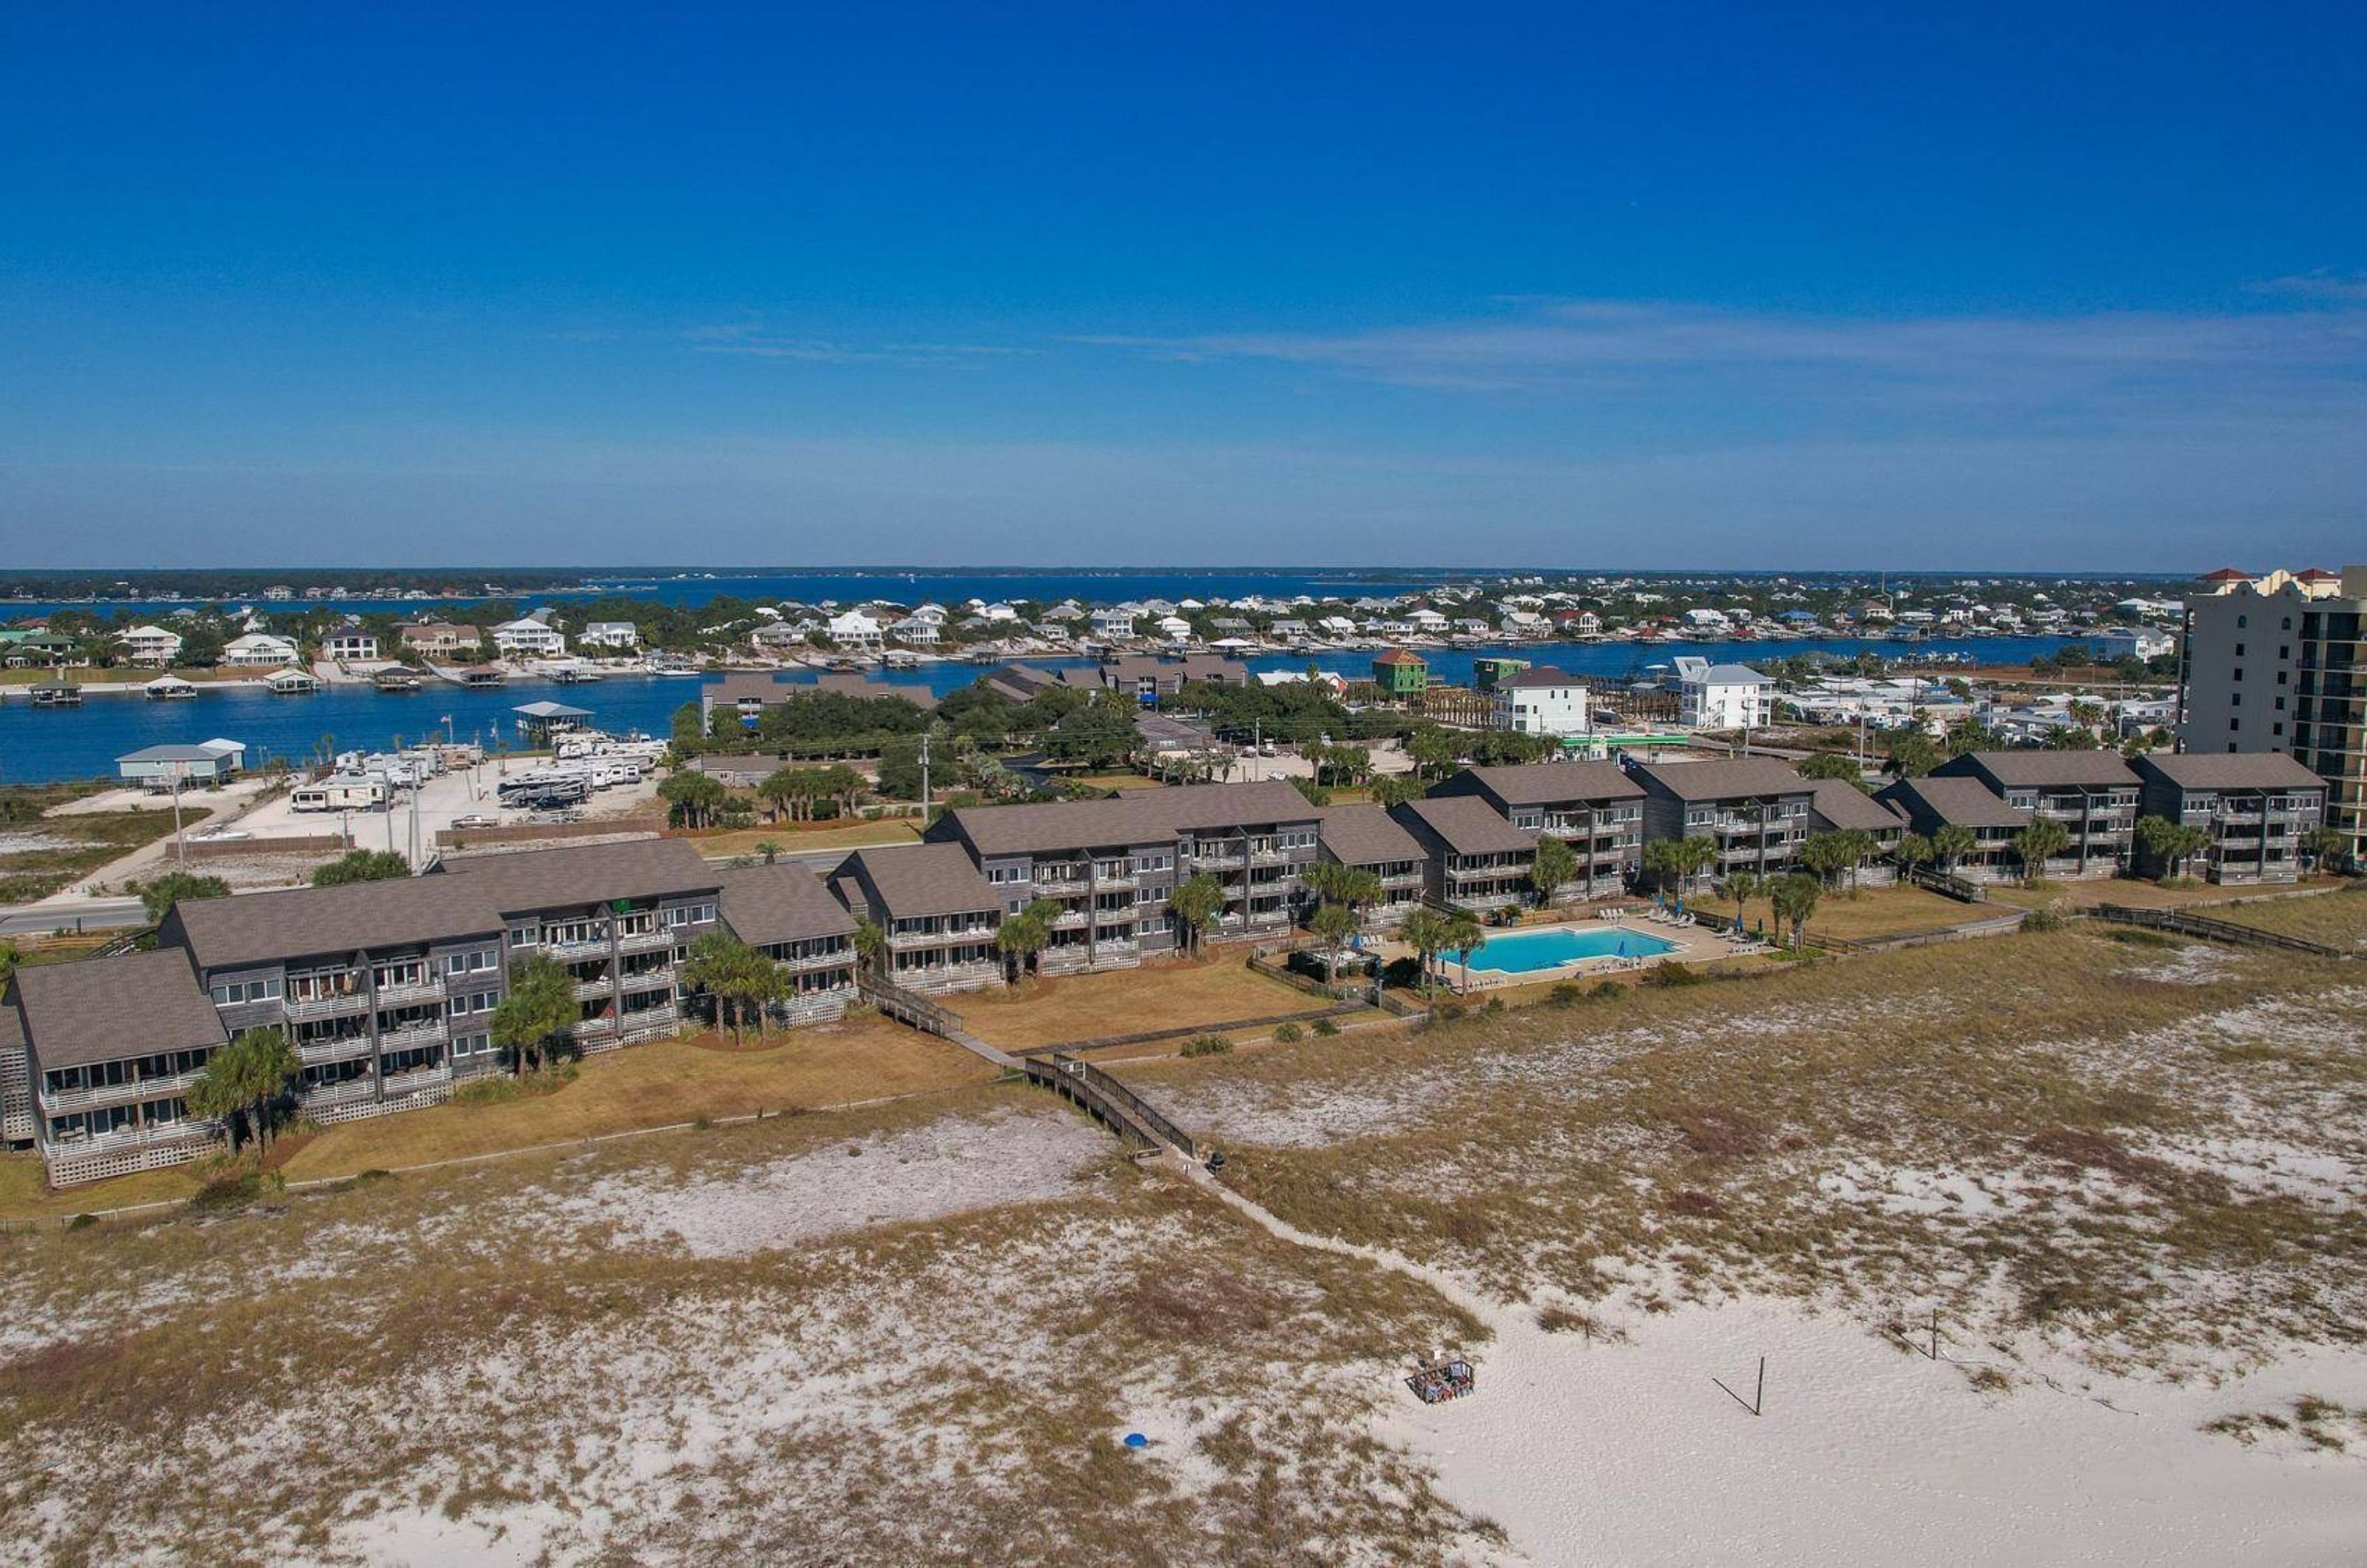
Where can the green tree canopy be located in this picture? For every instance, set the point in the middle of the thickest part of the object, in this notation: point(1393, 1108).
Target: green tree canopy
point(159, 894)
point(362, 865)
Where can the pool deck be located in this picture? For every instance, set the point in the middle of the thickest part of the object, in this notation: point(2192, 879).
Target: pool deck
point(1693, 944)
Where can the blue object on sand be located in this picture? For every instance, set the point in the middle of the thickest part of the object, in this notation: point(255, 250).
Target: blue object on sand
point(1137, 1440)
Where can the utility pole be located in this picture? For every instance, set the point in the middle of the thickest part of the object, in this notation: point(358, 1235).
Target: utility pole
point(180, 846)
point(925, 778)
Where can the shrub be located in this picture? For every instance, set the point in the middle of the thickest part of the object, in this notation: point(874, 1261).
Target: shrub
point(1672, 975)
point(1288, 1034)
point(1495, 1005)
point(1325, 1027)
point(492, 1090)
point(2047, 917)
point(82, 1222)
point(1565, 993)
point(1208, 1045)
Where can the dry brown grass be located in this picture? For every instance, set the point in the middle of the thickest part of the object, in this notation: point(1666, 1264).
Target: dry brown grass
point(658, 1085)
point(795, 839)
point(1172, 994)
point(1871, 912)
point(2337, 918)
point(2133, 892)
point(1729, 1137)
point(466, 1352)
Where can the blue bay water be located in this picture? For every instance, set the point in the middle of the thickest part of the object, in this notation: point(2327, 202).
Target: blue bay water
point(41, 745)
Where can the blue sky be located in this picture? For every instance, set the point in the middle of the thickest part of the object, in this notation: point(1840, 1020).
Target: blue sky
point(1671, 285)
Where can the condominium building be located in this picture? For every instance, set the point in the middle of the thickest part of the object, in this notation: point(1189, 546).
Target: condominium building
point(936, 915)
point(1369, 839)
point(1111, 865)
point(2278, 663)
point(1838, 807)
point(1595, 807)
point(2257, 807)
point(1754, 810)
point(787, 914)
point(1932, 803)
point(1475, 859)
point(2093, 795)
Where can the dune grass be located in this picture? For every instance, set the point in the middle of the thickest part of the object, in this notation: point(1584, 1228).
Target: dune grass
point(1171, 994)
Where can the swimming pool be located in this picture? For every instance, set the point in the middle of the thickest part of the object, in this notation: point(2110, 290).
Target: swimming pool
point(1526, 953)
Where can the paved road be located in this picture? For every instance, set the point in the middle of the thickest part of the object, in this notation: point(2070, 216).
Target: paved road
point(88, 915)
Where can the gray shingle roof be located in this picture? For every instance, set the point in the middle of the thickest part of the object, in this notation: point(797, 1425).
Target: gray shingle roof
point(306, 922)
point(1548, 784)
point(1365, 835)
point(767, 904)
point(918, 880)
point(590, 874)
point(1839, 804)
point(2232, 770)
point(1542, 675)
point(2038, 770)
point(1137, 816)
point(100, 1010)
point(1726, 778)
point(1465, 824)
point(1968, 803)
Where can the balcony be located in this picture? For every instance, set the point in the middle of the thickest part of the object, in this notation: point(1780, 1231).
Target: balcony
point(1214, 860)
point(312, 1008)
point(59, 1101)
point(1269, 857)
point(344, 1048)
point(581, 947)
point(414, 1034)
point(1052, 884)
point(593, 989)
point(409, 992)
point(903, 941)
point(1067, 920)
point(1123, 880)
point(188, 1131)
point(644, 942)
point(650, 979)
point(322, 1097)
point(417, 1079)
point(833, 958)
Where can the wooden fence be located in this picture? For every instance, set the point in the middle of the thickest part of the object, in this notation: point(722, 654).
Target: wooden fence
point(2185, 924)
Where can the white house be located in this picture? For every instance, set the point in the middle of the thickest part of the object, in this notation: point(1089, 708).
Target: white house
point(855, 629)
point(349, 643)
point(1525, 624)
point(258, 650)
point(1720, 696)
point(1114, 622)
point(529, 635)
point(2136, 642)
point(1542, 701)
point(919, 629)
point(621, 634)
point(1425, 620)
point(1175, 628)
point(151, 645)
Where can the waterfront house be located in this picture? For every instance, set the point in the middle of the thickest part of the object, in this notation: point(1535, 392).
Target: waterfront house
point(348, 644)
point(616, 636)
point(2092, 794)
point(1147, 680)
point(1399, 675)
point(1595, 807)
point(1753, 810)
point(854, 630)
point(158, 768)
point(1720, 696)
point(441, 638)
point(151, 645)
point(1541, 700)
point(2257, 807)
point(528, 637)
point(1114, 623)
point(260, 650)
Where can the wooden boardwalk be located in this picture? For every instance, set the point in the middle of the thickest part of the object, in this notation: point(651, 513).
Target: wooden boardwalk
point(2187, 924)
point(1137, 1123)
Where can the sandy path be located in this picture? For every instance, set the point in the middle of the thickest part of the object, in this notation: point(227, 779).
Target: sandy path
point(1594, 1453)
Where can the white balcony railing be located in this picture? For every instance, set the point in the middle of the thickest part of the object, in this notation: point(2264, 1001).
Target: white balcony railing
point(650, 979)
point(345, 1048)
point(403, 1039)
point(311, 1009)
point(189, 1131)
point(644, 942)
point(89, 1097)
point(417, 1079)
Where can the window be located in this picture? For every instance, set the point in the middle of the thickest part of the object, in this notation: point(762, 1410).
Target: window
point(525, 936)
point(233, 993)
point(2239, 650)
point(2236, 699)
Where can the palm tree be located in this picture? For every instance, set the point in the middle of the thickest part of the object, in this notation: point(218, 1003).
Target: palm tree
point(1197, 901)
point(1022, 937)
point(870, 942)
point(2037, 843)
point(719, 965)
point(1333, 925)
point(1913, 850)
point(1425, 931)
point(1951, 841)
point(1742, 887)
point(1824, 853)
point(2173, 843)
point(2322, 844)
point(1463, 935)
point(771, 851)
point(1795, 899)
point(246, 1077)
point(541, 1004)
point(1555, 867)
